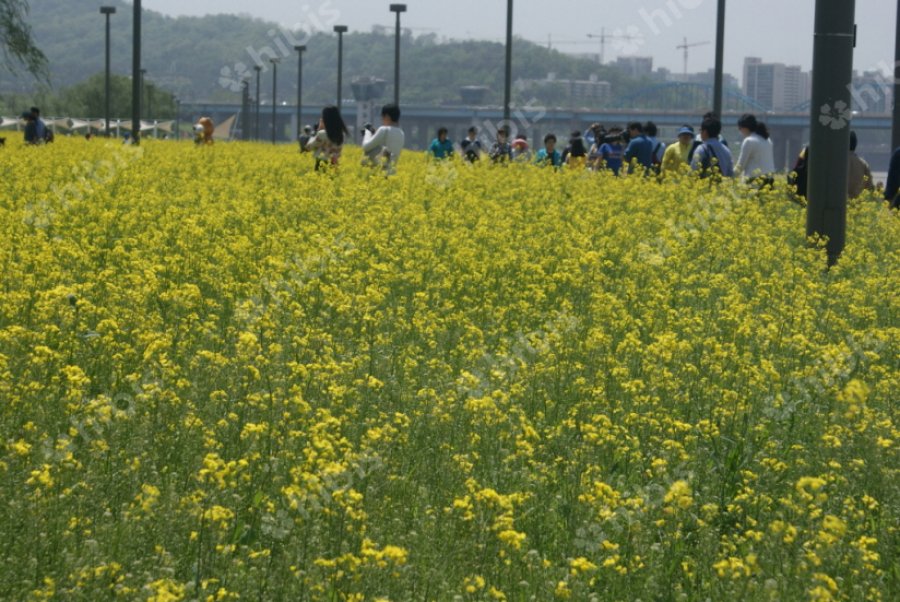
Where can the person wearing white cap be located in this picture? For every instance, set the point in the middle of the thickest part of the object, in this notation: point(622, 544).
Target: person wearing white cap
point(678, 154)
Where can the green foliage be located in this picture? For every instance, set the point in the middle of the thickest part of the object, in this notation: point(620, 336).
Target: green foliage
point(202, 59)
point(16, 39)
point(88, 99)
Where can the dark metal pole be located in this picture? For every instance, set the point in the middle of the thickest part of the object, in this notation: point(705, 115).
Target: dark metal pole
point(829, 142)
point(397, 8)
point(299, 50)
point(896, 136)
point(245, 110)
point(143, 88)
point(108, 11)
point(136, 77)
point(149, 92)
point(274, 96)
point(507, 87)
point(258, 69)
point(340, 30)
point(718, 84)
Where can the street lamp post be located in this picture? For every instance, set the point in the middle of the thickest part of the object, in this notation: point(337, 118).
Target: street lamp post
point(258, 69)
point(299, 50)
point(507, 87)
point(718, 84)
point(143, 87)
point(148, 91)
point(108, 11)
point(340, 30)
point(274, 62)
point(177, 119)
point(397, 8)
point(245, 109)
point(829, 140)
point(136, 75)
point(896, 136)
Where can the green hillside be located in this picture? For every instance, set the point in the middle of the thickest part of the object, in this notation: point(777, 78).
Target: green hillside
point(199, 58)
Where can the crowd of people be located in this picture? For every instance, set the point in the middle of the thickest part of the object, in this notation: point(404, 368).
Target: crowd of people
point(636, 148)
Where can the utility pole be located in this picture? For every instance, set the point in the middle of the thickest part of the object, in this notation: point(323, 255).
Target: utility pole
point(274, 62)
point(719, 82)
point(245, 110)
point(397, 8)
point(108, 11)
point(300, 49)
point(829, 143)
point(896, 135)
point(258, 69)
point(340, 30)
point(136, 76)
point(507, 87)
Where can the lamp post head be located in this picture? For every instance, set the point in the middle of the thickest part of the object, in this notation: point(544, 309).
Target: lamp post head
point(398, 8)
point(300, 48)
point(108, 10)
point(339, 29)
point(257, 68)
point(275, 60)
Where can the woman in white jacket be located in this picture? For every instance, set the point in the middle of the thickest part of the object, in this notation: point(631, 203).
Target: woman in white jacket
point(756, 163)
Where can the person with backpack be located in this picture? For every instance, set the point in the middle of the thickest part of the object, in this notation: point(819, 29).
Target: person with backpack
point(698, 141)
point(711, 156)
point(44, 133)
point(385, 143)
point(859, 175)
point(756, 162)
point(328, 142)
point(892, 186)
point(610, 152)
point(659, 148)
point(501, 150)
point(471, 146)
point(639, 149)
point(31, 135)
point(304, 138)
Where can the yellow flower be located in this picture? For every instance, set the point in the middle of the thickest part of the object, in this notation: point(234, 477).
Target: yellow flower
point(581, 565)
point(679, 495)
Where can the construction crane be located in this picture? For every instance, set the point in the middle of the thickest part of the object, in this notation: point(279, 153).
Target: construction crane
point(685, 46)
point(603, 37)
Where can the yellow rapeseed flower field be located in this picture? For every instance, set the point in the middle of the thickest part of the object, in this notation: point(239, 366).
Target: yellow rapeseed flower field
point(226, 377)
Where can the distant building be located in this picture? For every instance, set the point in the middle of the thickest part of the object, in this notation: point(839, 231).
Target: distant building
point(574, 92)
point(635, 66)
point(707, 78)
point(777, 86)
point(872, 93)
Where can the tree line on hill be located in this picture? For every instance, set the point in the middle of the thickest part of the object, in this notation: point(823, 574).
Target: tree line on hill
point(202, 59)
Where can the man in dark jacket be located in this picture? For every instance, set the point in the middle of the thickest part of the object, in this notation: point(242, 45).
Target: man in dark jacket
point(639, 149)
point(31, 131)
point(892, 187)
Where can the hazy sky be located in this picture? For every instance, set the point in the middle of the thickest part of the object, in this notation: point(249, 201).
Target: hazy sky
point(775, 30)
